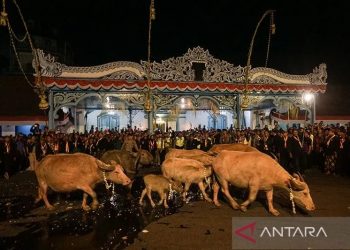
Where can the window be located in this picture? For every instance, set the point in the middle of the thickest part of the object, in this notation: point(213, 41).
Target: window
point(107, 121)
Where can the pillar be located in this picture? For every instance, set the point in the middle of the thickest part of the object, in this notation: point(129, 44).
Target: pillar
point(150, 121)
point(51, 111)
point(238, 111)
point(130, 116)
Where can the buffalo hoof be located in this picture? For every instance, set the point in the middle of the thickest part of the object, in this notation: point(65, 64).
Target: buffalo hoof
point(243, 208)
point(235, 206)
point(166, 206)
point(153, 205)
point(274, 212)
point(51, 208)
point(216, 203)
point(86, 208)
point(94, 206)
point(208, 200)
point(140, 203)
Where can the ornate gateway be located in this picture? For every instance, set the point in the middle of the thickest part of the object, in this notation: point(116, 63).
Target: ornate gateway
point(182, 89)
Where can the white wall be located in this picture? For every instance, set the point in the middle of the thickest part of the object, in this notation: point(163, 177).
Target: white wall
point(92, 119)
point(7, 130)
point(138, 120)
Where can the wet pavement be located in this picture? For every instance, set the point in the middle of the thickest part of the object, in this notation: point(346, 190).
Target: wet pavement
point(114, 225)
point(121, 223)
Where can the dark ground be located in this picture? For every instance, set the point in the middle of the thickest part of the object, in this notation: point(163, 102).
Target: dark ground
point(123, 224)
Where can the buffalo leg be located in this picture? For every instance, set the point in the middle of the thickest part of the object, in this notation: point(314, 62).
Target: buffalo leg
point(202, 188)
point(149, 195)
point(43, 188)
point(187, 187)
point(269, 196)
point(144, 191)
point(40, 196)
point(163, 197)
point(226, 191)
point(92, 193)
point(215, 194)
point(253, 191)
point(84, 205)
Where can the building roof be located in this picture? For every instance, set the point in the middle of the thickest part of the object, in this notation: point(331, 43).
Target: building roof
point(196, 70)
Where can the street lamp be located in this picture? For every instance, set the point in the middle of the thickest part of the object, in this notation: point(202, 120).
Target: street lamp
point(310, 100)
point(245, 100)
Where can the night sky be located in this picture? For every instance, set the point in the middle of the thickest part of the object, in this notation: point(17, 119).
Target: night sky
point(308, 32)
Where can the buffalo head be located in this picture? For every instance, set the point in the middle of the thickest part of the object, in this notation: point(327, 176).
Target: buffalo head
point(114, 172)
point(301, 193)
point(144, 157)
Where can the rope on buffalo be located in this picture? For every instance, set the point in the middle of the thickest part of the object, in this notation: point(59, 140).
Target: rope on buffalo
point(291, 197)
point(207, 179)
point(108, 186)
point(171, 192)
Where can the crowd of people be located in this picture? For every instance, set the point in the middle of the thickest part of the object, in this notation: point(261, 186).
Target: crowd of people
point(296, 149)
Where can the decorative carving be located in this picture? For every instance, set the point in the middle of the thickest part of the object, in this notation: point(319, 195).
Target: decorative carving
point(161, 100)
point(66, 98)
point(106, 67)
point(122, 75)
point(136, 99)
point(180, 68)
point(268, 71)
point(263, 79)
point(253, 101)
point(228, 101)
point(51, 68)
point(319, 74)
point(47, 64)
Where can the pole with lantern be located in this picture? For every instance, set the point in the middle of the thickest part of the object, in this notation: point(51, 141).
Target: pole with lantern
point(148, 104)
point(272, 29)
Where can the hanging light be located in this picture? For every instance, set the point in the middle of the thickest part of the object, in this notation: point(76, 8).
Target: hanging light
point(153, 11)
point(38, 86)
point(3, 15)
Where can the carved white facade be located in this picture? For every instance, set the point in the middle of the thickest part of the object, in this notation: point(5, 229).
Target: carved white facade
point(220, 87)
point(179, 69)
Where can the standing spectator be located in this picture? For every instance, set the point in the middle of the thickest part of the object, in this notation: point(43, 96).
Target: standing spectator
point(191, 143)
point(331, 152)
point(8, 153)
point(307, 148)
point(130, 144)
point(342, 160)
point(179, 141)
point(42, 149)
point(206, 142)
point(295, 151)
point(35, 129)
point(21, 153)
point(152, 146)
point(282, 149)
point(160, 149)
